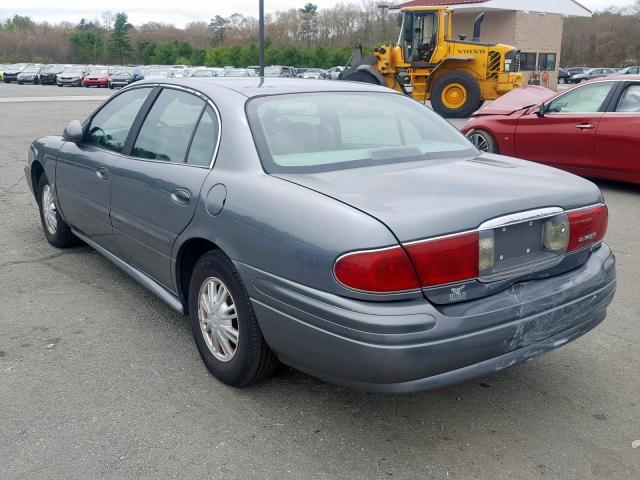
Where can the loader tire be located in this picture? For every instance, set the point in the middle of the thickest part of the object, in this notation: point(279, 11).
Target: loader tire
point(360, 76)
point(455, 95)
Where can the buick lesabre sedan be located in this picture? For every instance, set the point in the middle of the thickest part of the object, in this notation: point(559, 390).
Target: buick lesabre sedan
point(340, 228)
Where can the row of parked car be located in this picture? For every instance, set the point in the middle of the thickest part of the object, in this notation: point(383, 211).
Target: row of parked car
point(119, 76)
point(582, 74)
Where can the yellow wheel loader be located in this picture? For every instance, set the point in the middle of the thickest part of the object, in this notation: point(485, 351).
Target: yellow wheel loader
point(426, 63)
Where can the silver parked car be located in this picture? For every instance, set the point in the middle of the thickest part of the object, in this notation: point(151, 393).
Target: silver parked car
point(343, 229)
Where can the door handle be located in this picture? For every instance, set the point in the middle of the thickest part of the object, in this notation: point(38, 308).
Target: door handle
point(102, 173)
point(181, 196)
point(584, 126)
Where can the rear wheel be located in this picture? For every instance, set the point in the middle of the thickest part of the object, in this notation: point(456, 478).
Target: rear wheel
point(360, 76)
point(483, 141)
point(455, 95)
point(224, 324)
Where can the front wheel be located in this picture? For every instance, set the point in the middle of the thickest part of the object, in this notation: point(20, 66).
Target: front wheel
point(483, 141)
point(455, 95)
point(56, 230)
point(224, 325)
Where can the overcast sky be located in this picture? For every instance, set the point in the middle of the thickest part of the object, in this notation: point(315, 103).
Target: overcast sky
point(169, 11)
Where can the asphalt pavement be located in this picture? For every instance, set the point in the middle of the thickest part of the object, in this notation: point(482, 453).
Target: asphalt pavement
point(100, 379)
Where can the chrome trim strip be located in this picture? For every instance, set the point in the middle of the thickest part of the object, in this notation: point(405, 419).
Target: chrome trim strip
point(147, 282)
point(520, 217)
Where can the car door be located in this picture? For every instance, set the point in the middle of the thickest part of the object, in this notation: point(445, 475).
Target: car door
point(618, 136)
point(564, 135)
point(154, 190)
point(83, 169)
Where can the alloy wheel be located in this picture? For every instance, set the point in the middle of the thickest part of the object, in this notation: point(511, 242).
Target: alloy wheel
point(479, 142)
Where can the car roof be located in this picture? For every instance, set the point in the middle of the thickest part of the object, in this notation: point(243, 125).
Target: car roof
point(620, 78)
point(253, 86)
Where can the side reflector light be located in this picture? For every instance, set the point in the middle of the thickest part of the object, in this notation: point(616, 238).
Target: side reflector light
point(380, 271)
point(587, 227)
point(447, 259)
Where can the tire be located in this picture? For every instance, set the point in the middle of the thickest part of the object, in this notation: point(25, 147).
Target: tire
point(360, 76)
point(483, 141)
point(453, 84)
point(251, 360)
point(111, 86)
point(60, 85)
point(59, 236)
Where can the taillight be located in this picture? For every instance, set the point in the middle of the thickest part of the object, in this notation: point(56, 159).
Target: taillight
point(447, 259)
point(465, 256)
point(382, 271)
point(587, 227)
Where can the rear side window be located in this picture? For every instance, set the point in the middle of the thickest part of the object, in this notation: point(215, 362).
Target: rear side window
point(204, 140)
point(168, 128)
point(110, 126)
point(630, 100)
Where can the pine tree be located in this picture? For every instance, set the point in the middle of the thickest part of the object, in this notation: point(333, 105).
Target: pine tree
point(119, 45)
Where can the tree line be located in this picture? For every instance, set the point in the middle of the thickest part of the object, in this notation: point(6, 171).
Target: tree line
point(304, 36)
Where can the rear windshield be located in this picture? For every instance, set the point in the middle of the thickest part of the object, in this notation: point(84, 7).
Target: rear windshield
point(319, 132)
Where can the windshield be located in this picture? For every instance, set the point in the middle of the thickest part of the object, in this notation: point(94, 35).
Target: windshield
point(30, 70)
point(100, 72)
point(123, 72)
point(73, 72)
point(319, 132)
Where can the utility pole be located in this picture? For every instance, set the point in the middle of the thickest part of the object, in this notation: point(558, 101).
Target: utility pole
point(261, 36)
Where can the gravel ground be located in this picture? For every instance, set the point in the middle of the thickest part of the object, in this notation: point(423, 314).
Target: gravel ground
point(99, 379)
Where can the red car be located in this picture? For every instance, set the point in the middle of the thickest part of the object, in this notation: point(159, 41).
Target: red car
point(97, 78)
point(592, 129)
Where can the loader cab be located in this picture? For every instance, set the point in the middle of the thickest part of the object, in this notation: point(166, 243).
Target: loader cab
point(419, 35)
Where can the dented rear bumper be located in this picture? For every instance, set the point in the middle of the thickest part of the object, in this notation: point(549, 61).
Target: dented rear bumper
point(411, 345)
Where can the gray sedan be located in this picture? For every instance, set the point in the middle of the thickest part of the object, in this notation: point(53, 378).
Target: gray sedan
point(340, 228)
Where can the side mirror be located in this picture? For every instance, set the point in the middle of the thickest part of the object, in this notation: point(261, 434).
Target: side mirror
point(73, 132)
point(541, 110)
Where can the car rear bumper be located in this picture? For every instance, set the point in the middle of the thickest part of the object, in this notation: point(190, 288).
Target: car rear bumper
point(409, 346)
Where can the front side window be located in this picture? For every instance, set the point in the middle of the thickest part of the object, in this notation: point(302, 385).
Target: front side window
point(316, 132)
point(587, 99)
point(167, 130)
point(630, 100)
point(110, 127)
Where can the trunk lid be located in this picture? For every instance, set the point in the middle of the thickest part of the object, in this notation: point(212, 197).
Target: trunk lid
point(419, 200)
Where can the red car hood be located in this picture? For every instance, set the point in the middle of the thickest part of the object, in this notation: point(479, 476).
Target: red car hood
point(515, 100)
